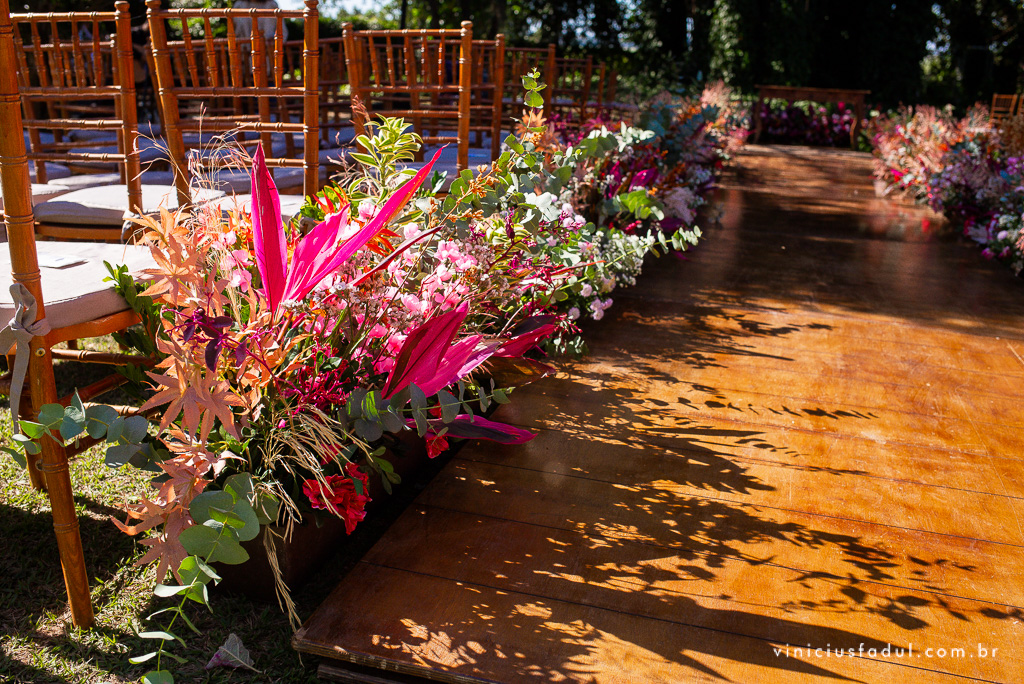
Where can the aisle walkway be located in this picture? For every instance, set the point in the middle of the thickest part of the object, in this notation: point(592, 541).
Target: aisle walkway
point(806, 433)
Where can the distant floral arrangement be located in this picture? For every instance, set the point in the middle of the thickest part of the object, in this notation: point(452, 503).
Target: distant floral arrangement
point(965, 168)
point(806, 123)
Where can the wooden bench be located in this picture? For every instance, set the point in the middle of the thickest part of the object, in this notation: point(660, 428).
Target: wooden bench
point(854, 98)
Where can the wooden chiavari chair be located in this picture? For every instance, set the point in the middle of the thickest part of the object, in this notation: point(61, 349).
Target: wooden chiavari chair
point(488, 91)
point(570, 90)
point(424, 76)
point(1003, 107)
point(250, 73)
point(72, 91)
point(518, 63)
point(335, 97)
point(72, 299)
point(487, 82)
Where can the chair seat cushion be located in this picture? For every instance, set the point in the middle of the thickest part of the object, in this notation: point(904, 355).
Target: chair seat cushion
point(290, 204)
point(107, 205)
point(53, 171)
point(76, 293)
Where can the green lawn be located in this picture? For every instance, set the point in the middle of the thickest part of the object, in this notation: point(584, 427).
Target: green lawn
point(38, 643)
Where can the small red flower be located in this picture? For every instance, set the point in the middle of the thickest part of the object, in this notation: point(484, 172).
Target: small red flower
point(339, 496)
point(436, 445)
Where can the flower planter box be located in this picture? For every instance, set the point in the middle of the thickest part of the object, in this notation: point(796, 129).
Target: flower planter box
point(310, 545)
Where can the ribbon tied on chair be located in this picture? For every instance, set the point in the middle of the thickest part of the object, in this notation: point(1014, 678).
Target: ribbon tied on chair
point(20, 331)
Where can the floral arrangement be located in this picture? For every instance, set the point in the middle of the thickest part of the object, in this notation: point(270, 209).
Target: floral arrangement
point(909, 144)
point(293, 356)
point(807, 123)
point(963, 168)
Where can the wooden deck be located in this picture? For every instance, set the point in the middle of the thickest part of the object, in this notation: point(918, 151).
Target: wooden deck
point(806, 433)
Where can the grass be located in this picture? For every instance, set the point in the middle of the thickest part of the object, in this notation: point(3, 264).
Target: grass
point(39, 645)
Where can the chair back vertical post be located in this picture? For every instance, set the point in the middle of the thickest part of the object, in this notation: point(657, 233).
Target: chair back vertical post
point(498, 69)
point(354, 63)
point(128, 105)
point(168, 101)
point(588, 76)
point(310, 99)
point(600, 99)
point(465, 92)
point(52, 460)
point(549, 78)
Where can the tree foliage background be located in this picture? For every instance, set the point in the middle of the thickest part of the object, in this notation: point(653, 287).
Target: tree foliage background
point(905, 51)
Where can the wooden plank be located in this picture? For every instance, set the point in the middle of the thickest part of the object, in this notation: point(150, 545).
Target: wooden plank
point(767, 447)
point(458, 632)
point(712, 592)
point(664, 513)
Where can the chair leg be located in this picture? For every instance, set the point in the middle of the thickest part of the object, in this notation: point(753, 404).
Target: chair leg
point(53, 463)
point(65, 524)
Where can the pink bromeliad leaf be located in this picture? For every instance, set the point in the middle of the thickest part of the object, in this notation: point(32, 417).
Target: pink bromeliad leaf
point(424, 349)
point(526, 335)
point(643, 179)
point(267, 232)
point(461, 359)
point(320, 252)
point(478, 427)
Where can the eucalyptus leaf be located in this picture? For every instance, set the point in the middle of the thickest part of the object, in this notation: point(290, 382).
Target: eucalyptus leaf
point(51, 414)
point(449, 405)
point(135, 429)
point(200, 507)
point(120, 454)
point(97, 418)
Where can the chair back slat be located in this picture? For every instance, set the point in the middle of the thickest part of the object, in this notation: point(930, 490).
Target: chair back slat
point(572, 85)
point(423, 75)
point(75, 74)
point(1002, 107)
point(245, 90)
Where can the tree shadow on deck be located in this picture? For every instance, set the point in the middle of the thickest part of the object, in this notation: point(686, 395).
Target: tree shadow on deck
point(666, 510)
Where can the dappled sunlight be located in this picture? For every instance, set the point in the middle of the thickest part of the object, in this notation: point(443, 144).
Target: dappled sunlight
point(741, 464)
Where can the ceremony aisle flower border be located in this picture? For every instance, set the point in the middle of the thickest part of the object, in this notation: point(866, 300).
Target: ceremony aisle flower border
point(291, 355)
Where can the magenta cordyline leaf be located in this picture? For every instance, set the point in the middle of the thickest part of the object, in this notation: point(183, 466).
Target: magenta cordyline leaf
point(526, 336)
point(267, 231)
point(314, 256)
point(643, 179)
point(424, 348)
point(477, 427)
point(301, 286)
point(461, 359)
point(320, 252)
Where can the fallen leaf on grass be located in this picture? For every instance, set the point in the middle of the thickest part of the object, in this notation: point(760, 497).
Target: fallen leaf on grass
point(231, 654)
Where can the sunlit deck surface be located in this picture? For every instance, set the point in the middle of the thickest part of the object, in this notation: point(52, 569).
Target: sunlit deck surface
point(805, 433)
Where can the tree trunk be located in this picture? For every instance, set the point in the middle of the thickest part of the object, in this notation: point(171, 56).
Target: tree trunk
point(498, 13)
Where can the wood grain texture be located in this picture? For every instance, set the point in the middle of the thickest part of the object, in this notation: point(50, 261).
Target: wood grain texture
point(806, 432)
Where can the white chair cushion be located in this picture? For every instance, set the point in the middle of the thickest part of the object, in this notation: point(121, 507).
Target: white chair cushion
point(40, 193)
point(53, 171)
point(290, 204)
point(76, 293)
point(107, 205)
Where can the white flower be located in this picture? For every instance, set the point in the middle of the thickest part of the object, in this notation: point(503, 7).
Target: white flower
point(1002, 235)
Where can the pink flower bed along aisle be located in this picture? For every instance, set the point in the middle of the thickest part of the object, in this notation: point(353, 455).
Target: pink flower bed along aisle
point(962, 167)
point(293, 356)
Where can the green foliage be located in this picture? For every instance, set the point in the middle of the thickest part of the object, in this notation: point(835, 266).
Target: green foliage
point(223, 520)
